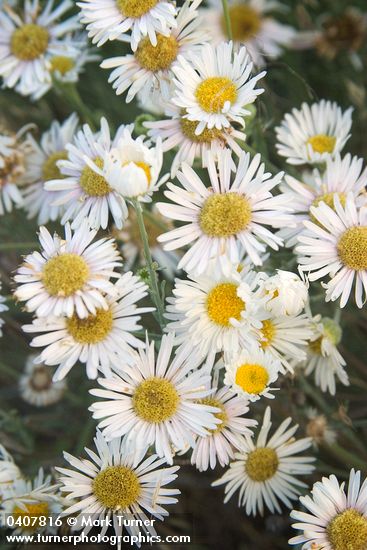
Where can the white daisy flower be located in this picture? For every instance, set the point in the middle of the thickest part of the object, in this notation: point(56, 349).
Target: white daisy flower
point(336, 518)
point(85, 191)
point(12, 155)
point(132, 167)
point(286, 337)
point(101, 340)
point(36, 385)
point(220, 444)
point(323, 357)
point(227, 218)
point(113, 484)
point(178, 132)
point(215, 312)
point(156, 402)
point(132, 249)
point(318, 428)
point(214, 84)
point(340, 177)
point(29, 42)
point(42, 166)
point(111, 19)
point(286, 292)
point(148, 71)
point(252, 24)
point(68, 276)
point(336, 245)
point(28, 499)
point(313, 133)
point(9, 471)
point(251, 372)
point(3, 307)
point(266, 471)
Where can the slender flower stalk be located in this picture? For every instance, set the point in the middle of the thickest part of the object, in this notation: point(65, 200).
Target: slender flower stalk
point(227, 19)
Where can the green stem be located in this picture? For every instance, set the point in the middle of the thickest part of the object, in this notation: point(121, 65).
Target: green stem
point(70, 93)
point(18, 246)
point(227, 19)
point(153, 279)
point(347, 457)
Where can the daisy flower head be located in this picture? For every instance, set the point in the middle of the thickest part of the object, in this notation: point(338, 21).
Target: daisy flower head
point(28, 43)
point(215, 312)
point(42, 165)
point(83, 188)
point(267, 471)
point(178, 132)
point(323, 357)
point(68, 276)
point(253, 25)
point(12, 158)
point(3, 307)
point(286, 292)
point(229, 217)
point(318, 428)
point(111, 19)
point(132, 249)
point(114, 484)
point(9, 471)
point(313, 133)
point(336, 517)
point(132, 167)
point(336, 245)
point(36, 385)
point(25, 500)
point(251, 373)
point(148, 71)
point(220, 444)
point(156, 401)
point(342, 175)
point(214, 84)
point(101, 340)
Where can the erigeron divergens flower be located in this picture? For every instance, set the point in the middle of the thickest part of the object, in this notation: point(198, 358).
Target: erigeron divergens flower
point(36, 385)
point(287, 294)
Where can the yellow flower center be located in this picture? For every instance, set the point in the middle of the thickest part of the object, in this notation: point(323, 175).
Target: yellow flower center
point(41, 379)
point(188, 128)
point(92, 329)
point(262, 464)
point(155, 400)
point(222, 415)
point(62, 64)
point(321, 143)
point(214, 92)
point(135, 8)
point(252, 378)
point(327, 198)
point(25, 517)
point(223, 304)
point(29, 42)
point(268, 331)
point(332, 332)
point(92, 183)
point(116, 487)
point(315, 346)
point(245, 22)
point(352, 248)
point(159, 57)
point(224, 215)
point(348, 531)
point(65, 274)
point(50, 170)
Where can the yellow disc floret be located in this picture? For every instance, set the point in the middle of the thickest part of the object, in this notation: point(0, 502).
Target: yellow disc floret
point(92, 329)
point(188, 128)
point(29, 42)
point(262, 464)
point(135, 8)
point(94, 184)
point(268, 332)
point(223, 304)
point(116, 487)
point(62, 64)
point(348, 531)
point(214, 92)
point(252, 378)
point(224, 215)
point(155, 400)
point(352, 248)
point(222, 415)
point(50, 170)
point(159, 57)
point(24, 518)
point(327, 198)
point(321, 143)
point(65, 274)
point(245, 22)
